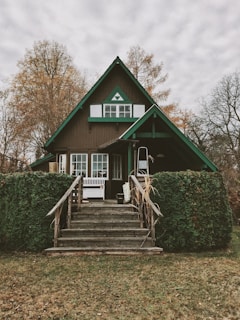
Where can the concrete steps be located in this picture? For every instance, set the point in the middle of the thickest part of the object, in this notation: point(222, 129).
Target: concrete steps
point(104, 232)
point(104, 229)
point(106, 242)
point(88, 251)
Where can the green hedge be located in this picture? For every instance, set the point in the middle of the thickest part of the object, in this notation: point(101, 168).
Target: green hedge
point(25, 199)
point(196, 212)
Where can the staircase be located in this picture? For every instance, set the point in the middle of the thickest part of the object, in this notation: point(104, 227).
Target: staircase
point(104, 228)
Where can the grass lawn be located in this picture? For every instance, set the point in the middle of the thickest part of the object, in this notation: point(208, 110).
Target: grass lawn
point(171, 286)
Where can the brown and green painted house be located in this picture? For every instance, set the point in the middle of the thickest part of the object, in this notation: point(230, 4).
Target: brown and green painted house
point(115, 130)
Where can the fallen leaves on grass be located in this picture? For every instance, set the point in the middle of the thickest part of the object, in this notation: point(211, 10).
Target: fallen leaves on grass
point(164, 287)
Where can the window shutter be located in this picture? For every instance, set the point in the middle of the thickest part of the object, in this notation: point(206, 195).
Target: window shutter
point(96, 111)
point(138, 110)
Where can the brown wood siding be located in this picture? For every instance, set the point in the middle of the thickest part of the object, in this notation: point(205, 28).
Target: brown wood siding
point(118, 78)
point(81, 136)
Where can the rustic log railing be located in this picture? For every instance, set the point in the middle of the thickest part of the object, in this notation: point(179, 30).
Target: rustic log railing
point(149, 212)
point(73, 196)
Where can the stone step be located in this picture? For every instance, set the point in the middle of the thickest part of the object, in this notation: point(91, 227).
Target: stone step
point(110, 229)
point(106, 208)
point(107, 232)
point(104, 224)
point(79, 251)
point(107, 242)
point(102, 215)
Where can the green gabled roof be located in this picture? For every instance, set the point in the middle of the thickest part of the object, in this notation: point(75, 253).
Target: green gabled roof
point(155, 110)
point(79, 106)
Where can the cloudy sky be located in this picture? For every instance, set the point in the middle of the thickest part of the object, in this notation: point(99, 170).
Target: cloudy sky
point(198, 41)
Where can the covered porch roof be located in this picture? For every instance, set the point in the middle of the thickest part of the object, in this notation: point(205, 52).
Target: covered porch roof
point(164, 141)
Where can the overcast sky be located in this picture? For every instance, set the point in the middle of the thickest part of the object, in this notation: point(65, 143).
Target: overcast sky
point(198, 41)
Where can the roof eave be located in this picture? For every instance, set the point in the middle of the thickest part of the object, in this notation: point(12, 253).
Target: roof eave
point(42, 160)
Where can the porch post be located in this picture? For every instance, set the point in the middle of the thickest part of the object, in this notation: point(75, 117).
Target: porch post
point(129, 158)
point(134, 160)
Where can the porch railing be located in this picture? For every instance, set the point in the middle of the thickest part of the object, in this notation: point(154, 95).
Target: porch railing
point(73, 196)
point(149, 212)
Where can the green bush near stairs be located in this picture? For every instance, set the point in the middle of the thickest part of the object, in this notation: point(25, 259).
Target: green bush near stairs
point(197, 215)
point(196, 212)
point(25, 199)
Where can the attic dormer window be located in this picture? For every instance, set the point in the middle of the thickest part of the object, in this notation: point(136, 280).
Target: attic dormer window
point(110, 111)
point(117, 110)
point(117, 107)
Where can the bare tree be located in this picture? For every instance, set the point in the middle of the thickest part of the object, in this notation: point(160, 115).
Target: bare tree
point(44, 91)
point(148, 73)
point(197, 131)
point(12, 147)
point(222, 113)
point(217, 132)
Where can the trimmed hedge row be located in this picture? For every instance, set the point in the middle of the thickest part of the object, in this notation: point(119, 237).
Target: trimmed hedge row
point(197, 215)
point(25, 199)
point(196, 212)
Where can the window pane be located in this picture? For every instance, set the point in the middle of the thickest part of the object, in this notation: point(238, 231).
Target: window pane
point(99, 166)
point(79, 164)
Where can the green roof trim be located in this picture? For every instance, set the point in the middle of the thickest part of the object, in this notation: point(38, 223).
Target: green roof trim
point(117, 96)
point(104, 119)
point(79, 106)
point(42, 160)
point(156, 111)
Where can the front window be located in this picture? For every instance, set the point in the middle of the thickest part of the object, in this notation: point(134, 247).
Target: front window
point(100, 165)
point(79, 163)
point(117, 110)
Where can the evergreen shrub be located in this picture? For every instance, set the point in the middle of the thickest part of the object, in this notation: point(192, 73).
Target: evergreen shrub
point(25, 199)
point(197, 215)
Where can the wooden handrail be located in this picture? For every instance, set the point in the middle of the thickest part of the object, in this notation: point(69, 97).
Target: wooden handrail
point(146, 207)
point(65, 196)
point(57, 209)
point(146, 197)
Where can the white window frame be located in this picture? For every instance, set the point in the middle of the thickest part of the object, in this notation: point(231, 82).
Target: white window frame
point(62, 163)
point(76, 167)
point(126, 113)
point(116, 167)
point(114, 110)
point(98, 166)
